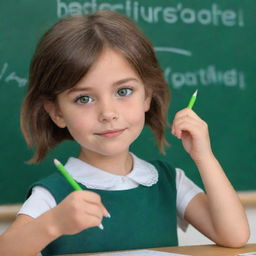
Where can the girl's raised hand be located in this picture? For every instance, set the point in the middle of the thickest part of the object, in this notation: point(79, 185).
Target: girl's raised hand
point(193, 132)
point(78, 211)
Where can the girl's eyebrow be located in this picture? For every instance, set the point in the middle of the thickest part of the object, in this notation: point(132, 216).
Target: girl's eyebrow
point(116, 83)
point(123, 81)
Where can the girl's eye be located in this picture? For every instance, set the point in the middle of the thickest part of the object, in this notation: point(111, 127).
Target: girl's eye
point(124, 92)
point(83, 99)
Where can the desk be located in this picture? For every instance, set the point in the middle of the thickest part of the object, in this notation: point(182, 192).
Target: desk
point(198, 250)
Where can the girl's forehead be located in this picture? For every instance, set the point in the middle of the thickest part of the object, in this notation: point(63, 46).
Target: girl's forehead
point(110, 58)
point(110, 66)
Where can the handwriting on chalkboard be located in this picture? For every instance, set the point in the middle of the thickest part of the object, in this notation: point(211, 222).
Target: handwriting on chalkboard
point(173, 50)
point(213, 15)
point(205, 76)
point(10, 76)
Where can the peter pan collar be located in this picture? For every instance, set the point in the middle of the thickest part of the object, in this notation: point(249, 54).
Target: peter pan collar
point(143, 173)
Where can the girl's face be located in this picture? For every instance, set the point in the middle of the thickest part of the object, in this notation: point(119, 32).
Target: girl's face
point(105, 111)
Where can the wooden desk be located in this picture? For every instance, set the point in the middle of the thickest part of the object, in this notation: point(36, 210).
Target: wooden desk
point(198, 250)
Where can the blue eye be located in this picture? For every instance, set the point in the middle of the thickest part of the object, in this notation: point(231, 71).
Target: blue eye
point(84, 99)
point(124, 92)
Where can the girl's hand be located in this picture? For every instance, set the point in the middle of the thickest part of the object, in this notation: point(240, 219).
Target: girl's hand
point(193, 132)
point(78, 211)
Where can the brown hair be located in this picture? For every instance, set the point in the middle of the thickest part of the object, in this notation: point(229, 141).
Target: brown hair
point(65, 54)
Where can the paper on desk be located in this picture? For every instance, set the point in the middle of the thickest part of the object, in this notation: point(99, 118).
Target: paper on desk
point(140, 253)
point(247, 254)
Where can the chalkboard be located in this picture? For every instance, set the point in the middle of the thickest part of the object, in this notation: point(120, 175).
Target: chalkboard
point(201, 44)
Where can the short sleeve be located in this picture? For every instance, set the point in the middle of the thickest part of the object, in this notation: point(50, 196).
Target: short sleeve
point(40, 201)
point(186, 191)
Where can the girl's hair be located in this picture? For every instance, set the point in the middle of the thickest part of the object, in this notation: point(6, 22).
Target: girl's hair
point(65, 54)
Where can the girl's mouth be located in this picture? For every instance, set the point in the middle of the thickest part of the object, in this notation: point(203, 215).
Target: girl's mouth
point(111, 133)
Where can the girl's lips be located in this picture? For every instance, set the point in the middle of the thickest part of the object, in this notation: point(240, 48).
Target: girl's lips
point(111, 133)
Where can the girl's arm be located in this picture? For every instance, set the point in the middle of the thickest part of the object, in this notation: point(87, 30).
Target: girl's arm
point(28, 236)
point(218, 214)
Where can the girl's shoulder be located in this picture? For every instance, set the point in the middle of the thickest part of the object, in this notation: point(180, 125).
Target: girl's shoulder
point(162, 164)
point(164, 168)
point(55, 183)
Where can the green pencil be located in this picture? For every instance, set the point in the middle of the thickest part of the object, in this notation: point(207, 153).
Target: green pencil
point(192, 100)
point(69, 178)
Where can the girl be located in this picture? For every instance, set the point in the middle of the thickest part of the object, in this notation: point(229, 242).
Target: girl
point(96, 80)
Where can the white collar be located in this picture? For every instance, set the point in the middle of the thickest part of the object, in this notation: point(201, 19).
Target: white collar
point(143, 173)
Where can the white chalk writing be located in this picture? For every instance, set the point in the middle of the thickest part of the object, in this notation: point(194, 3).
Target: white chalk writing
point(7, 77)
point(205, 76)
point(214, 15)
point(173, 50)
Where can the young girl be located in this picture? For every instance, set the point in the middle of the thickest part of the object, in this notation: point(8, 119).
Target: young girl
point(96, 80)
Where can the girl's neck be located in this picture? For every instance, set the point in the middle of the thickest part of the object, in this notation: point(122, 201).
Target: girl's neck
point(119, 164)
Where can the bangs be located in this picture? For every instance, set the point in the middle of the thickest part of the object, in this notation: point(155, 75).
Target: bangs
point(61, 68)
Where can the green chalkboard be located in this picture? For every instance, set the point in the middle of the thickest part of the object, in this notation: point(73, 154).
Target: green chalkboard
point(201, 44)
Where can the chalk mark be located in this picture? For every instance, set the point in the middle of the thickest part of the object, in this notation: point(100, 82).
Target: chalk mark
point(173, 50)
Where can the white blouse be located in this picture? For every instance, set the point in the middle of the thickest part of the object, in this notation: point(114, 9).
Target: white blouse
point(143, 173)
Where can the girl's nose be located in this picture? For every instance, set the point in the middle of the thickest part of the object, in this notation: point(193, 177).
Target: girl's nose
point(108, 113)
point(108, 116)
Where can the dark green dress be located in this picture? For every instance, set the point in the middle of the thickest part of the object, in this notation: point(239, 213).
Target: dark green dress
point(142, 217)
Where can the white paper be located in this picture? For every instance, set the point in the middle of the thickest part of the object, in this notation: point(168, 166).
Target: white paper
point(247, 254)
point(140, 253)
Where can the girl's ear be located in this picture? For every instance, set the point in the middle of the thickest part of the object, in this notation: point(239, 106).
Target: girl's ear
point(55, 114)
point(147, 102)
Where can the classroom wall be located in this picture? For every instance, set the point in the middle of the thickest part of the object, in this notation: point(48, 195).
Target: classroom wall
point(200, 44)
